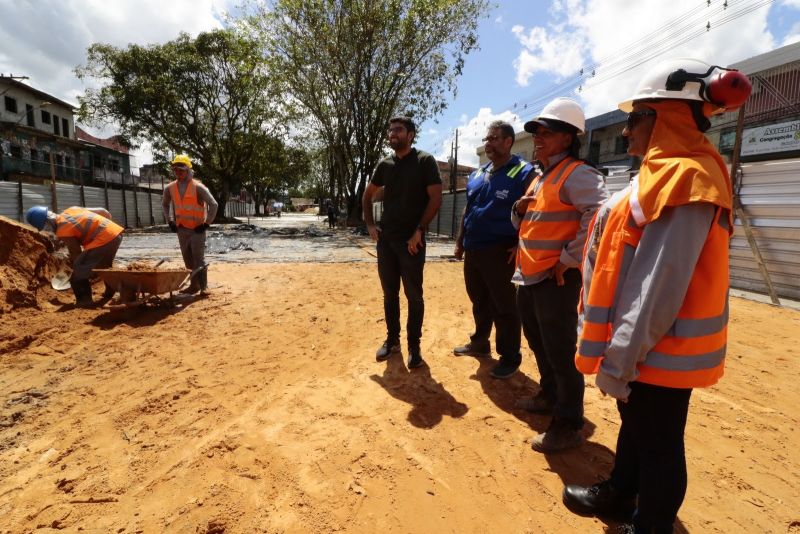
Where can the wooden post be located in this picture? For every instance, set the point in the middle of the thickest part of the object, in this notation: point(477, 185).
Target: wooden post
point(738, 209)
point(124, 204)
point(20, 207)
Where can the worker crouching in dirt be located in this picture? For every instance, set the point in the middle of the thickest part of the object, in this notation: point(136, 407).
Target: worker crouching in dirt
point(655, 298)
point(92, 239)
point(193, 208)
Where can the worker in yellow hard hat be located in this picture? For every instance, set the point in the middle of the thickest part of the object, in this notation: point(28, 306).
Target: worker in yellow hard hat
point(193, 209)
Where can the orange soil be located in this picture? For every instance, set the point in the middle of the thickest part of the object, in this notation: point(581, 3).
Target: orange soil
point(261, 409)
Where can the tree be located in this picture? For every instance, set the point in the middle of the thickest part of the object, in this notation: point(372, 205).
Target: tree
point(209, 97)
point(274, 170)
point(353, 64)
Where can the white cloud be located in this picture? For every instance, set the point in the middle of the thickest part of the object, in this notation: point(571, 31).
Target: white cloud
point(45, 40)
point(557, 51)
point(793, 36)
point(587, 32)
point(470, 133)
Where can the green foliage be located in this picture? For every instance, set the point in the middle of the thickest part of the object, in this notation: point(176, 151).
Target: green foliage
point(209, 97)
point(353, 64)
point(274, 170)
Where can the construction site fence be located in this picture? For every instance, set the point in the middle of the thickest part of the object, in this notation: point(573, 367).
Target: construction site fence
point(132, 206)
point(770, 195)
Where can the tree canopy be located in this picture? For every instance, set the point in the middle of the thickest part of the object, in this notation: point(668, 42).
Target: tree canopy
point(353, 64)
point(209, 97)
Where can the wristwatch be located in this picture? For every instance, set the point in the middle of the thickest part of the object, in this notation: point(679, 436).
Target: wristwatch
point(421, 228)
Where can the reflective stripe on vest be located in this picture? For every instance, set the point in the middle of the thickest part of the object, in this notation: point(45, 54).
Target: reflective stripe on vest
point(549, 224)
point(189, 211)
point(512, 173)
point(692, 352)
point(91, 229)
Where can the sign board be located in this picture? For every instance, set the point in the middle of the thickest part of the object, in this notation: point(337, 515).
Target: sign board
point(779, 137)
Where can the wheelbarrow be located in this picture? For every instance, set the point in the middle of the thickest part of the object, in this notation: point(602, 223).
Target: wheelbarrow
point(137, 288)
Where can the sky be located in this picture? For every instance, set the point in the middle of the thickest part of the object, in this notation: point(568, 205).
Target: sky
point(530, 50)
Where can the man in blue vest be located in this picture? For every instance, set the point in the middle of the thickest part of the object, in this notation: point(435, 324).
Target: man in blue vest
point(488, 241)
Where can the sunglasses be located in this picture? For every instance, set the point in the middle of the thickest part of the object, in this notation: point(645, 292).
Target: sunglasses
point(635, 117)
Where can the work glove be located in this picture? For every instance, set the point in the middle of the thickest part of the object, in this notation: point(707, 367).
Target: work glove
point(173, 226)
point(202, 228)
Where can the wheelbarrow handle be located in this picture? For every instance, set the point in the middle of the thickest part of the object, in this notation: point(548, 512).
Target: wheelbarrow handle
point(193, 274)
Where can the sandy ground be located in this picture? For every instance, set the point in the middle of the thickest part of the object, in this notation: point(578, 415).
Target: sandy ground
point(261, 409)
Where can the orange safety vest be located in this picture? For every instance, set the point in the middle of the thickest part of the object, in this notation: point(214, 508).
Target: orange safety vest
point(549, 224)
point(91, 229)
point(190, 211)
point(692, 353)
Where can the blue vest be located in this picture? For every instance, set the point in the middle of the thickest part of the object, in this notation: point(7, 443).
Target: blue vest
point(490, 195)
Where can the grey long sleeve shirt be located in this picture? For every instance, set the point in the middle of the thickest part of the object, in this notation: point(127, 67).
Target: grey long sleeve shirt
point(652, 289)
point(585, 189)
point(202, 193)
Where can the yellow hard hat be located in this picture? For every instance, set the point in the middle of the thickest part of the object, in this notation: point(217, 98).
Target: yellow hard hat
point(182, 159)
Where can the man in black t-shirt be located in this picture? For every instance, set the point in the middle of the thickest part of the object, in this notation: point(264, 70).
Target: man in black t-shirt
point(412, 196)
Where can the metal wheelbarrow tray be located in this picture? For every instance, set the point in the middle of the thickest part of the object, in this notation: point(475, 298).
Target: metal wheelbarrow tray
point(140, 287)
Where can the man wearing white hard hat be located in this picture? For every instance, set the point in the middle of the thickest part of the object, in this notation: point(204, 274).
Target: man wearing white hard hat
point(193, 208)
point(553, 218)
point(655, 299)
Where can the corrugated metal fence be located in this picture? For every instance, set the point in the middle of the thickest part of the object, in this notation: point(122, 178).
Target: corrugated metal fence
point(133, 208)
point(129, 207)
point(770, 195)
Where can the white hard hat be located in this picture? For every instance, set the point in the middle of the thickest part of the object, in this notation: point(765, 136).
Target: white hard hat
point(561, 110)
point(692, 79)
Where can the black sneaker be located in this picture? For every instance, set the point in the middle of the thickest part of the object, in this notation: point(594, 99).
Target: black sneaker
point(387, 349)
point(505, 368)
point(469, 349)
point(415, 358)
point(602, 500)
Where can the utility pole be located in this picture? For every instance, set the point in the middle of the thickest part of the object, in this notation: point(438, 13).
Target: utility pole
point(453, 187)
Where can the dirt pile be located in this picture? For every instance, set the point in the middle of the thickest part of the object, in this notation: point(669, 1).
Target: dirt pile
point(27, 263)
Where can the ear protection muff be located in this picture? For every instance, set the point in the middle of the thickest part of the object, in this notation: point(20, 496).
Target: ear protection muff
point(725, 88)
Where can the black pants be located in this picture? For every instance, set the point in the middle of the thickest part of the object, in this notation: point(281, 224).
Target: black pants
point(395, 263)
point(549, 315)
point(651, 459)
point(487, 275)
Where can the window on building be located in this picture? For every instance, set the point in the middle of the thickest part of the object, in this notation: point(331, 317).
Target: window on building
point(11, 104)
point(113, 164)
point(65, 127)
point(34, 155)
point(16, 151)
point(45, 117)
point(29, 115)
point(56, 125)
point(59, 160)
point(620, 145)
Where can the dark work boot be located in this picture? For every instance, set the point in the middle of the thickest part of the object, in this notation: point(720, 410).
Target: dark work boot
point(388, 348)
point(83, 293)
point(602, 500)
point(415, 358)
point(473, 349)
point(506, 367)
point(559, 436)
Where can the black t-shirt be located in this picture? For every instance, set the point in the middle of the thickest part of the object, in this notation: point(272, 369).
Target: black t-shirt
point(405, 195)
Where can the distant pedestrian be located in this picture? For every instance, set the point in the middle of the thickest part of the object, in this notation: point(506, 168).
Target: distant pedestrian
point(553, 218)
point(487, 240)
point(193, 208)
point(332, 215)
point(92, 239)
point(655, 298)
point(412, 196)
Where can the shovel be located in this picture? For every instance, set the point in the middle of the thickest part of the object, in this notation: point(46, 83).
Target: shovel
point(193, 274)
